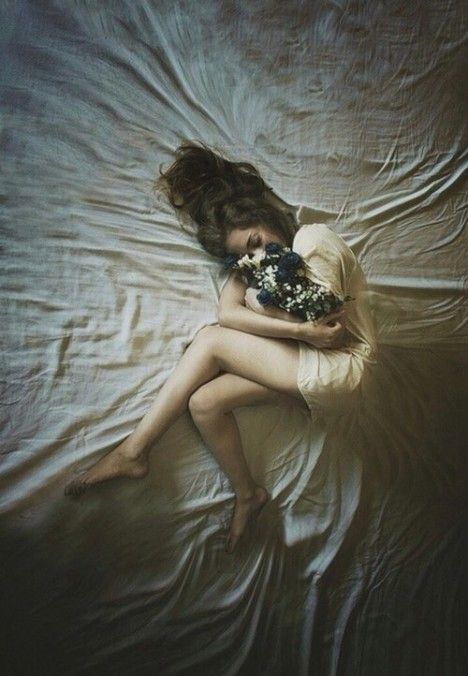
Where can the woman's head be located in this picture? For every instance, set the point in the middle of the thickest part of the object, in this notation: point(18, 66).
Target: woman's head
point(229, 201)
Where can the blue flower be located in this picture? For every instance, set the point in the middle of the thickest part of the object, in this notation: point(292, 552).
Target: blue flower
point(273, 248)
point(282, 275)
point(290, 260)
point(264, 297)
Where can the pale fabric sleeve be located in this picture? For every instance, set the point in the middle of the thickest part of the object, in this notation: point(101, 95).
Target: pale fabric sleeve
point(330, 261)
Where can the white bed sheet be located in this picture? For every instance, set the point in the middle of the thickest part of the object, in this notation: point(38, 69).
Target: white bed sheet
point(355, 110)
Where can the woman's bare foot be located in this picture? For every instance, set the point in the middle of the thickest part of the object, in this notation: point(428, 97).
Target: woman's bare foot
point(115, 464)
point(245, 509)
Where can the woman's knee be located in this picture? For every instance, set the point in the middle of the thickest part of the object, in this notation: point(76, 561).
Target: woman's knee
point(208, 337)
point(204, 402)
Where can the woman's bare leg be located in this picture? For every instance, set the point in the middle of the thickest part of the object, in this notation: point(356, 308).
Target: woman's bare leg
point(270, 362)
point(211, 407)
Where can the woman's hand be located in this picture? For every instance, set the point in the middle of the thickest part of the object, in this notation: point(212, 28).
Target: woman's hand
point(327, 332)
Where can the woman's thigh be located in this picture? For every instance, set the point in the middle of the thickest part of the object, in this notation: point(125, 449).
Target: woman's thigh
point(229, 391)
point(271, 362)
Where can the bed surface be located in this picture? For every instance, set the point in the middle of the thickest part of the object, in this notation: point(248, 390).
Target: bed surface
point(354, 111)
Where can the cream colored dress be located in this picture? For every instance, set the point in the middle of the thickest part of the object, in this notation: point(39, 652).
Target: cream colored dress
point(331, 380)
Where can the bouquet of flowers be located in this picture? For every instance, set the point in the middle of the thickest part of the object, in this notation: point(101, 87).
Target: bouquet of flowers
point(279, 274)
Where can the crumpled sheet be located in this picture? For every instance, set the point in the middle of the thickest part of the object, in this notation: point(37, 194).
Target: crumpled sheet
point(356, 110)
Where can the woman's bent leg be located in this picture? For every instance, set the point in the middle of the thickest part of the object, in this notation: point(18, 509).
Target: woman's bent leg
point(270, 362)
point(211, 408)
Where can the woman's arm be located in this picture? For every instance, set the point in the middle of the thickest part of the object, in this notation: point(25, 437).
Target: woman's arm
point(233, 314)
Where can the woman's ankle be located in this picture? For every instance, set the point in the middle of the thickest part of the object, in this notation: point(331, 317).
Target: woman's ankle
point(130, 451)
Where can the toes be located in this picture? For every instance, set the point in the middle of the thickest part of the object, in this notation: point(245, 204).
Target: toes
point(242, 520)
point(231, 543)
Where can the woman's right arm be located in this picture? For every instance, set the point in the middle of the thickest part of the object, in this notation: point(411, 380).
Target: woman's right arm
point(233, 314)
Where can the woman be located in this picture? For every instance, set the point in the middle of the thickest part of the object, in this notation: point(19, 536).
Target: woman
point(230, 364)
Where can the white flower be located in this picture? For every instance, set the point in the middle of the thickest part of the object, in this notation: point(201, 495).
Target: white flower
point(253, 262)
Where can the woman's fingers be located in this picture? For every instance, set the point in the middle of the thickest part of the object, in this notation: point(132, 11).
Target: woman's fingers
point(333, 317)
point(333, 334)
point(323, 335)
point(336, 327)
point(335, 330)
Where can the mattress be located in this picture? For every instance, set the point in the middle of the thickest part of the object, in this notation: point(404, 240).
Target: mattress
point(357, 113)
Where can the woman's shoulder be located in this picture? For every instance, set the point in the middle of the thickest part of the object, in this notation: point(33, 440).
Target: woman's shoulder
point(314, 229)
point(315, 241)
point(315, 234)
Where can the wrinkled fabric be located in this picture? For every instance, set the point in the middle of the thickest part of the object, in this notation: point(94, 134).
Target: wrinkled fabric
point(330, 380)
point(354, 111)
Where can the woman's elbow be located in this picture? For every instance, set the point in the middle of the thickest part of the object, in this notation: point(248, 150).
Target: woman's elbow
point(226, 317)
point(223, 318)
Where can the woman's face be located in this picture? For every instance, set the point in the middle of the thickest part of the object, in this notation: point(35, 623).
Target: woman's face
point(251, 240)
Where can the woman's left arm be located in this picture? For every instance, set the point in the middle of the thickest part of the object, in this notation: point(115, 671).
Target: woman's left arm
point(270, 322)
point(328, 332)
point(233, 313)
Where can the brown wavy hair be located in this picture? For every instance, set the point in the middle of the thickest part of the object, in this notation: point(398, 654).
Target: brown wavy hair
point(220, 195)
